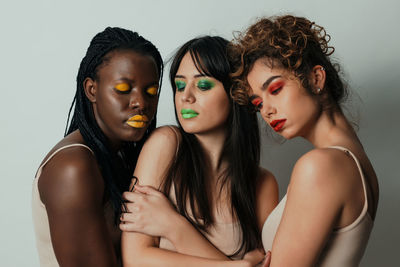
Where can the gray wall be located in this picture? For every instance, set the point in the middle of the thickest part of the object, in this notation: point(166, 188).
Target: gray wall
point(42, 43)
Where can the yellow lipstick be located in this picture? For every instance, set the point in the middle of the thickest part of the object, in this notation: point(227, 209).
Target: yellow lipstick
point(137, 121)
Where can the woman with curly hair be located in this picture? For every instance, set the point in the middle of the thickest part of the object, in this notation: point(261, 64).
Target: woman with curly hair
point(282, 67)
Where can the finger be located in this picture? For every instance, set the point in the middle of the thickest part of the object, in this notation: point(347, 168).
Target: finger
point(133, 196)
point(128, 227)
point(127, 217)
point(131, 207)
point(146, 189)
point(267, 260)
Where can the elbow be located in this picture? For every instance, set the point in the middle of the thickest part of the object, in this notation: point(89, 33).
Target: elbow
point(135, 258)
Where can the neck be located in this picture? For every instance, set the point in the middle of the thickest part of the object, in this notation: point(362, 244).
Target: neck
point(330, 129)
point(213, 143)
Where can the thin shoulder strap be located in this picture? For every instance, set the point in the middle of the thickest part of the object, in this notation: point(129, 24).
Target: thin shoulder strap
point(55, 152)
point(361, 174)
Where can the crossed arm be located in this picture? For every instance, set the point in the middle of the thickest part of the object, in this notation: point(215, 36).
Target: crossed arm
point(140, 249)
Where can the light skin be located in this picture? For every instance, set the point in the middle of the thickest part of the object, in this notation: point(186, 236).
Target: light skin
point(152, 214)
point(325, 182)
point(71, 186)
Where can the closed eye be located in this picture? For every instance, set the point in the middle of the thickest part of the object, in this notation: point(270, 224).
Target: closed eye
point(256, 102)
point(180, 85)
point(122, 87)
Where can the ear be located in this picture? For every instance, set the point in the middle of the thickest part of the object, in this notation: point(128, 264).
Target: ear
point(317, 80)
point(90, 89)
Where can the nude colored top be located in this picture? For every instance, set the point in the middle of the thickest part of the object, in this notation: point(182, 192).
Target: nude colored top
point(224, 236)
point(345, 246)
point(44, 246)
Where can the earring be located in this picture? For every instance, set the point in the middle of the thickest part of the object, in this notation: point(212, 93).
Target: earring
point(322, 68)
point(319, 90)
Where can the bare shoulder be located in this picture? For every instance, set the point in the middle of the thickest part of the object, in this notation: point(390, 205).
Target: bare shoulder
point(157, 155)
point(326, 170)
point(166, 136)
point(267, 195)
point(70, 177)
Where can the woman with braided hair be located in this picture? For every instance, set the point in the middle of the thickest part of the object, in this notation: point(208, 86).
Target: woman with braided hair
point(282, 67)
point(77, 189)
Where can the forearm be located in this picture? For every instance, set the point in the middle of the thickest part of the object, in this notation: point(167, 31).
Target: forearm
point(188, 240)
point(152, 256)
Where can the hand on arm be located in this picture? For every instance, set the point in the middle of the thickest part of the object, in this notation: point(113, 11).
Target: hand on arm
point(72, 190)
point(140, 249)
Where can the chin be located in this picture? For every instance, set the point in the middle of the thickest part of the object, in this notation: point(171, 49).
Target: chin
point(135, 134)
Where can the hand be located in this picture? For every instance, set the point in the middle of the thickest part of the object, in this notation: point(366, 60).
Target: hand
point(256, 258)
point(267, 260)
point(148, 211)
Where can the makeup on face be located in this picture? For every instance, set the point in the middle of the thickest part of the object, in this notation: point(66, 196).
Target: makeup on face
point(138, 121)
point(204, 84)
point(275, 87)
point(257, 102)
point(188, 113)
point(277, 125)
point(152, 90)
point(122, 87)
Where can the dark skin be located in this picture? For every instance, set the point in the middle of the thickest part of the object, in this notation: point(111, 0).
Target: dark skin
point(71, 185)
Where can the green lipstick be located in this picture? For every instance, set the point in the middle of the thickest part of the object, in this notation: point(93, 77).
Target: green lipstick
point(188, 113)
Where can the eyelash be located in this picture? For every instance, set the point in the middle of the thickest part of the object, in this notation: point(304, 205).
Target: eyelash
point(203, 85)
point(257, 103)
point(127, 89)
point(180, 85)
point(275, 89)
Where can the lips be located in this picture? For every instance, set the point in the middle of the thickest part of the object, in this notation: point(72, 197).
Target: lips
point(138, 121)
point(188, 113)
point(277, 124)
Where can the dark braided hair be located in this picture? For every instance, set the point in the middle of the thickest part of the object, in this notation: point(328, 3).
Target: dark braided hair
point(116, 168)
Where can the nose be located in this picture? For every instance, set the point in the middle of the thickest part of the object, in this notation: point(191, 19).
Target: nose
point(187, 95)
point(267, 110)
point(138, 100)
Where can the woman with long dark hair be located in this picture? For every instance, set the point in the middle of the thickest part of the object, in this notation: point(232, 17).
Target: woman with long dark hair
point(209, 168)
point(283, 67)
point(78, 187)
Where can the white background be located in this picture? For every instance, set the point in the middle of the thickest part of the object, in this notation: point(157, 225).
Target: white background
point(42, 43)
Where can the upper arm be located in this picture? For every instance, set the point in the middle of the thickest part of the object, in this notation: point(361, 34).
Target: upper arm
point(72, 189)
point(312, 208)
point(267, 196)
point(154, 161)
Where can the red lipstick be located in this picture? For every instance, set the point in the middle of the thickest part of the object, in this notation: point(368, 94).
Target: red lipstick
point(277, 124)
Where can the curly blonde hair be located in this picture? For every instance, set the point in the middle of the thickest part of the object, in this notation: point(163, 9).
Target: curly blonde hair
point(292, 43)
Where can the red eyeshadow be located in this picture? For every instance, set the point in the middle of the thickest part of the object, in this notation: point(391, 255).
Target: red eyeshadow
point(275, 85)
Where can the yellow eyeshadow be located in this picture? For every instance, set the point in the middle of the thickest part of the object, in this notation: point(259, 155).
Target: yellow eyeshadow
point(152, 90)
point(123, 87)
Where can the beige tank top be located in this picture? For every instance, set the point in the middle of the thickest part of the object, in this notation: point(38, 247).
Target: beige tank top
point(44, 246)
point(224, 236)
point(345, 246)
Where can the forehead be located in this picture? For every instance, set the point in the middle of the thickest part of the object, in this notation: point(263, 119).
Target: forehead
point(187, 66)
point(128, 64)
point(262, 70)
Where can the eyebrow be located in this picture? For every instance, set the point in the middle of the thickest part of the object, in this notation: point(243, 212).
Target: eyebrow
point(196, 76)
point(267, 82)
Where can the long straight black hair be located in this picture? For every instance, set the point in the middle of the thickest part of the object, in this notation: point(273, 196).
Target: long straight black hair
point(116, 167)
point(241, 150)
